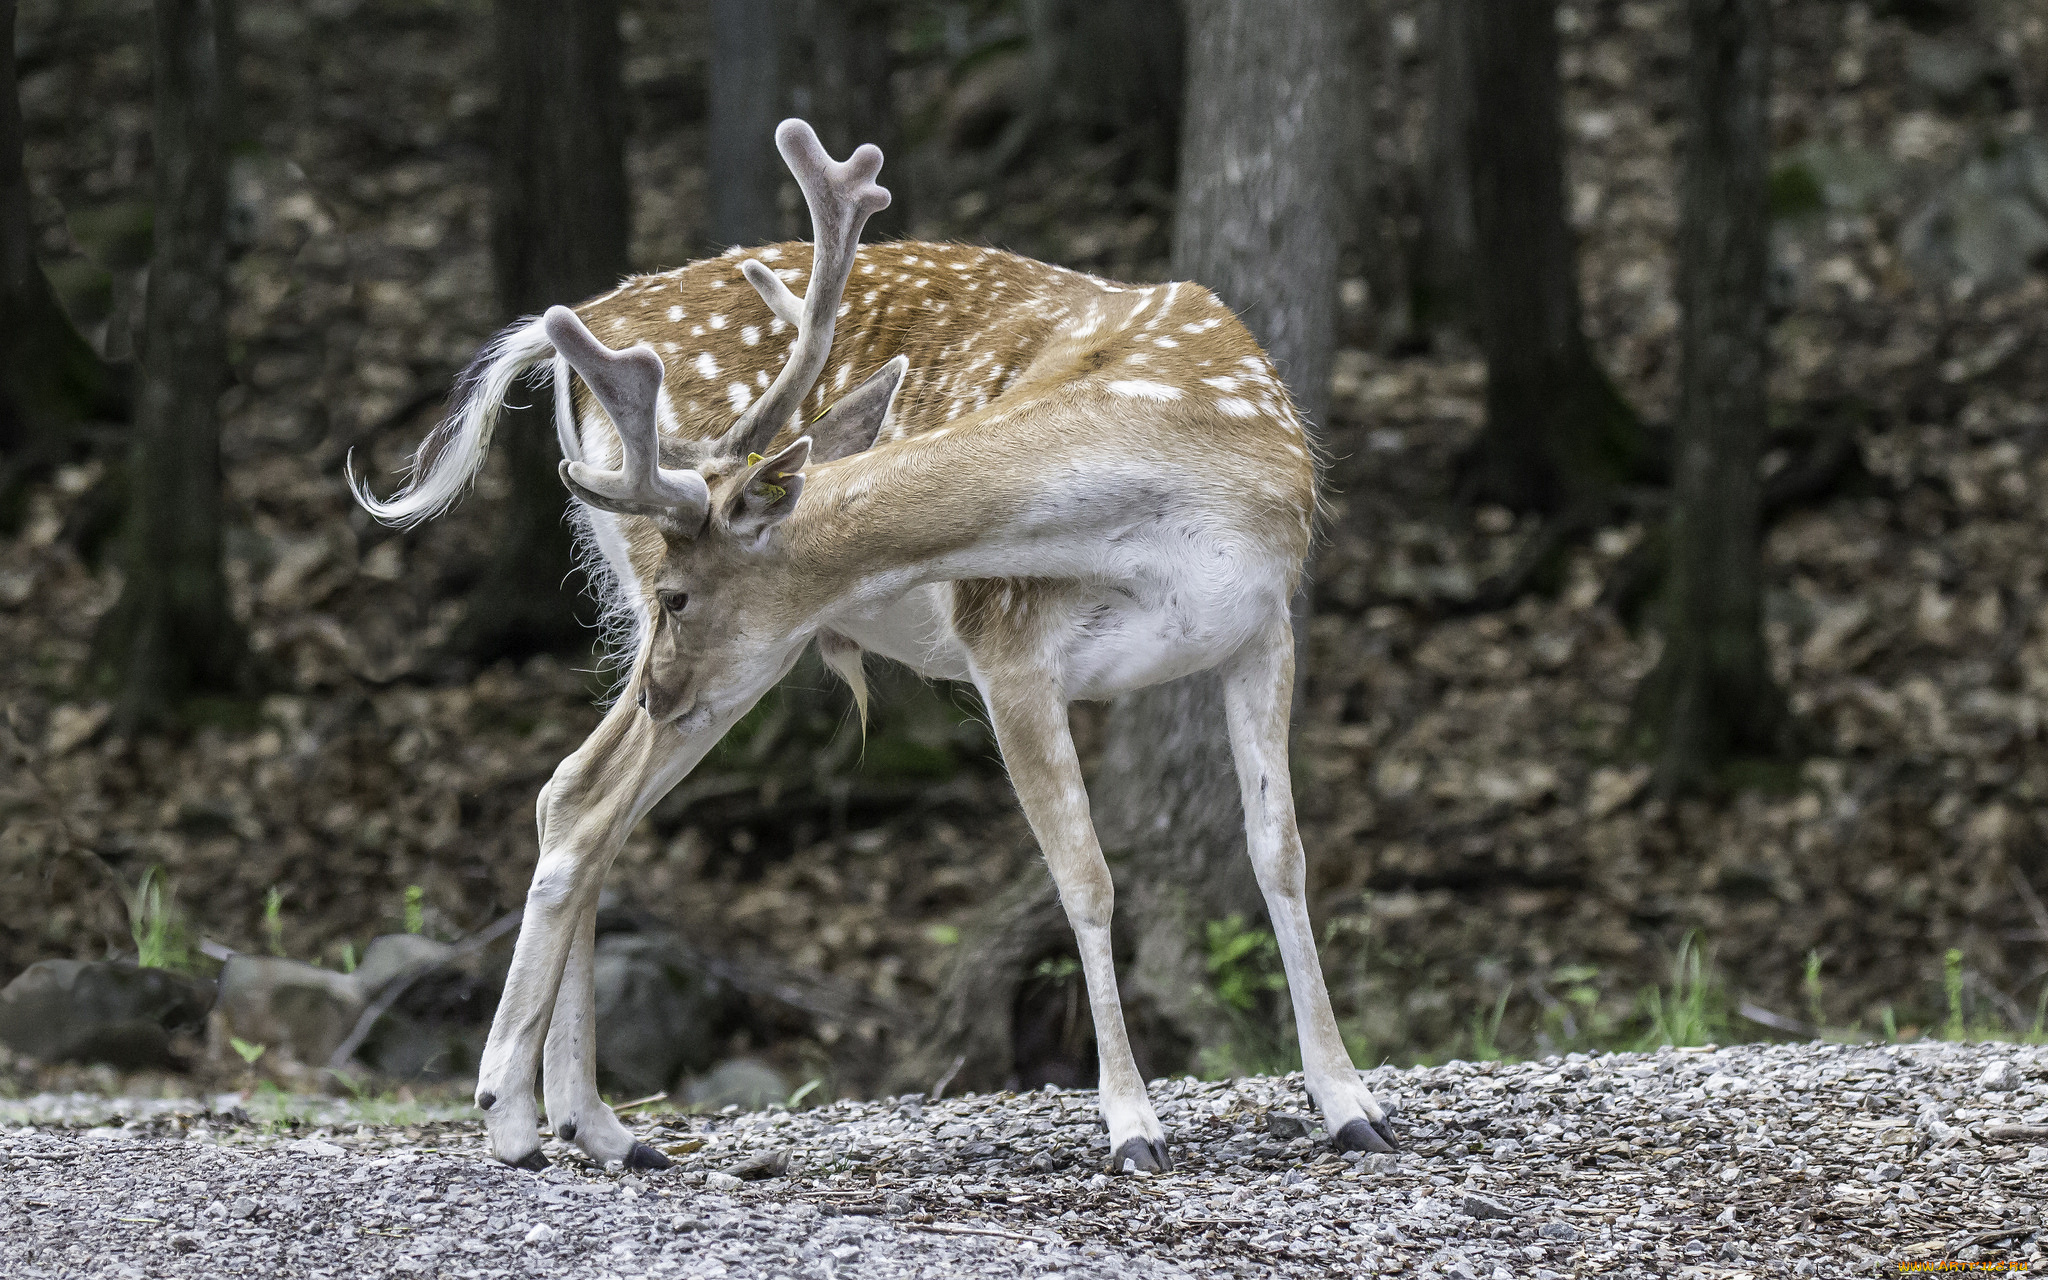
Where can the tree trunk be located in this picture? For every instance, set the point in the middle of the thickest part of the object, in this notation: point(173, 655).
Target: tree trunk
point(559, 217)
point(1558, 436)
point(1711, 697)
point(1444, 302)
point(50, 378)
point(747, 102)
point(1257, 223)
point(842, 86)
point(171, 635)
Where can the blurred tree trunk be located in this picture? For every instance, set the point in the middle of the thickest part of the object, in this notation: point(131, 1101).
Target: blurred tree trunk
point(747, 102)
point(1257, 221)
point(171, 635)
point(559, 219)
point(1711, 697)
point(1111, 69)
point(1558, 435)
point(50, 378)
point(1444, 289)
point(842, 86)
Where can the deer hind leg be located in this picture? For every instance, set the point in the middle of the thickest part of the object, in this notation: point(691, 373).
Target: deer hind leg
point(584, 812)
point(1030, 719)
point(1257, 687)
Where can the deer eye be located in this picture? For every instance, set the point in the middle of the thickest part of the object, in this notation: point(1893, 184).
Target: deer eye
point(674, 601)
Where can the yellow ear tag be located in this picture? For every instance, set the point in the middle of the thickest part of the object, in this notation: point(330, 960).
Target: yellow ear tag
point(762, 487)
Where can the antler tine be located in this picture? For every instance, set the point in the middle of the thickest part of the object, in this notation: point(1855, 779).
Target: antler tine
point(842, 196)
point(628, 384)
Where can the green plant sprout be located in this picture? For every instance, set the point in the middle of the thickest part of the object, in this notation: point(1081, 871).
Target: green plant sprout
point(803, 1091)
point(273, 920)
point(1812, 987)
point(348, 957)
point(1486, 1032)
point(1952, 987)
point(1242, 962)
point(246, 1051)
point(156, 925)
point(415, 909)
point(1693, 1011)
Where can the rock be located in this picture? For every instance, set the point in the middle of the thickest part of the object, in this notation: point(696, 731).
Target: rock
point(242, 1209)
point(542, 1233)
point(1482, 1207)
point(1951, 69)
point(110, 1011)
point(1989, 225)
point(721, 1181)
point(393, 956)
point(1999, 1077)
point(184, 1242)
point(315, 1147)
point(435, 1029)
point(657, 1017)
point(1562, 1232)
point(763, 1164)
point(298, 1011)
point(747, 1083)
point(1287, 1124)
point(1887, 1172)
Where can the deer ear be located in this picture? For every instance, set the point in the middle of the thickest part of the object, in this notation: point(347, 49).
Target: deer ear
point(766, 492)
point(850, 425)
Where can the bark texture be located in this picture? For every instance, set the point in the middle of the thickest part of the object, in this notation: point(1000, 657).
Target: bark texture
point(1444, 284)
point(50, 378)
point(843, 63)
point(559, 223)
point(1257, 222)
point(1711, 697)
point(1558, 435)
point(747, 102)
point(172, 635)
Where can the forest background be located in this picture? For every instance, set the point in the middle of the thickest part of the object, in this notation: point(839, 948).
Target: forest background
point(1679, 367)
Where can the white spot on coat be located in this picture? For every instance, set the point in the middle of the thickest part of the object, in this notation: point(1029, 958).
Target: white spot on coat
point(1140, 389)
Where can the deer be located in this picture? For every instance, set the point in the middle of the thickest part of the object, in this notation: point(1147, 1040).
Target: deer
point(990, 469)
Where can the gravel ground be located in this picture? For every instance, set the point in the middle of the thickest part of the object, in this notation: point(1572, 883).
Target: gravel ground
point(1754, 1159)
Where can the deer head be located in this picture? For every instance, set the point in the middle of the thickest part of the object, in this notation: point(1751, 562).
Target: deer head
point(715, 624)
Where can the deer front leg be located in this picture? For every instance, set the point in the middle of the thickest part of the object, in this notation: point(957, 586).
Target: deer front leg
point(584, 814)
point(569, 1065)
point(1030, 719)
point(1257, 688)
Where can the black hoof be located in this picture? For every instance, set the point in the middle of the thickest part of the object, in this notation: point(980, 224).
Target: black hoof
point(486, 1100)
point(566, 1131)
point(1141, 1153)
point(533, 1161)
point(1368, 1135)
point(644, 1157)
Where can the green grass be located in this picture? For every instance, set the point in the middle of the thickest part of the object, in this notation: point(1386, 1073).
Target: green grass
point(162, 940)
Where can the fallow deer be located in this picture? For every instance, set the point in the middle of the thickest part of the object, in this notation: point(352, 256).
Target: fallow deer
point(986, 468)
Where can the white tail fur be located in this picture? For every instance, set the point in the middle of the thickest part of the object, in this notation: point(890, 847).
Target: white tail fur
point(451, 455)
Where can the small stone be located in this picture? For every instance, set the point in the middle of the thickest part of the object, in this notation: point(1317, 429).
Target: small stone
point(1287, 1125)
point(243, 1207)
point(1483, 1207)
point(184, 1242)
point(721, 1181)
point(1563, 1232)
point(1098, 1182)
point(1999, 1077)
point(1887, 1172)
point(685, 1222)
point(542, 1233)
point(315, 1147)
point(764, 1164)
